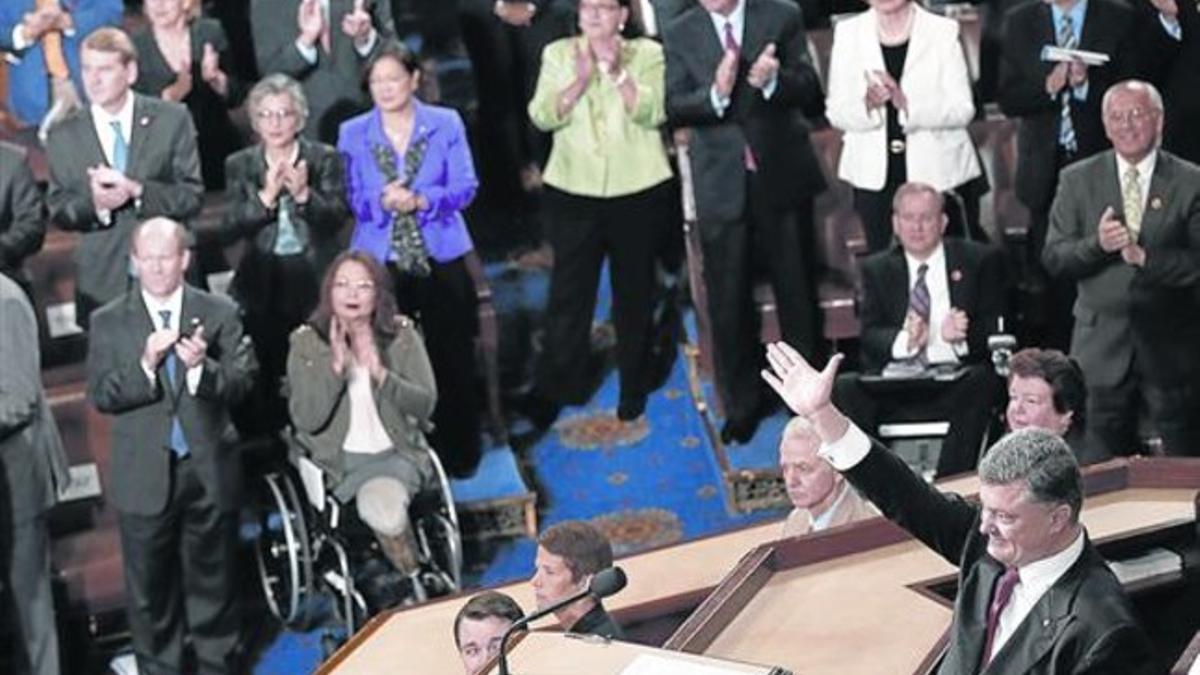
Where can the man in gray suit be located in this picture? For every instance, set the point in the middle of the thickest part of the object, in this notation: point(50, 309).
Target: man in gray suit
point(323, 45)
point(22, 228)
point(121, 160)
point(1125, 226)
point(167, 361)
point(33, 467)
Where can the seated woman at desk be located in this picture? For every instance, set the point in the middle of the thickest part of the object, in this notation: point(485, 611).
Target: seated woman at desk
point(362, 392)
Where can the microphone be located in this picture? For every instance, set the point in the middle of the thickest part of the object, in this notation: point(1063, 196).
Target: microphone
point(604, 583)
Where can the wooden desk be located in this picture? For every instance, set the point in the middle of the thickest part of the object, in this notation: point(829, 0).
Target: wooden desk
point(662, 581)
point(811, 604)
point(557, 653)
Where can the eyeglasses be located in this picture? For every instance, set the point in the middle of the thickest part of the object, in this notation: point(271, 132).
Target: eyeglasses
point(598, 8)
point(1133, 116)
point(275, 115)
point(357, 286)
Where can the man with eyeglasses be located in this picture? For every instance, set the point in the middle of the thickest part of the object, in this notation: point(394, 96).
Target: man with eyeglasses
point(121, 160)
point(1125, 227)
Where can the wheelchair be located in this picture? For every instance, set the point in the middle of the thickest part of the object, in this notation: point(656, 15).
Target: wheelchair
point(309, 543)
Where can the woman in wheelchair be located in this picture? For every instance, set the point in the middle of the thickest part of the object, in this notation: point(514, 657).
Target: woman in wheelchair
point(362, 392)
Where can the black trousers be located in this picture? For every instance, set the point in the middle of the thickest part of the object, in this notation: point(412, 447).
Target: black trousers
point(180, 579)
point(968, 403)
point(1112, 416)
point(582, 231)
point(26, 601)
point(444, 305)
point(777, 239)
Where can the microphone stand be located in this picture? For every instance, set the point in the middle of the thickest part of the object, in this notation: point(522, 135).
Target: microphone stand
point(525, 621)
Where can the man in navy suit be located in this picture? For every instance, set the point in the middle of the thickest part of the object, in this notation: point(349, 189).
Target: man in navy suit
point(739, 77)
point(167, 361)
point(1034, 596)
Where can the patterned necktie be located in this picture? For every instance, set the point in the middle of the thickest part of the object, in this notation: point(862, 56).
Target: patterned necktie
point(919, 303)
point(120, 149)
point(1066, 130)
point(178, 442)
point(1131, 193)
point(1000, 597)
point(731, 42)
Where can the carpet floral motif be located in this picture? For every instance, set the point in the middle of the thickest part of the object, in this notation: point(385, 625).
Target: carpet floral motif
point(600, 429)
point(640, 529)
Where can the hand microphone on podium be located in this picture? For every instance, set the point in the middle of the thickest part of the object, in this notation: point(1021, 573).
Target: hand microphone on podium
point(604, 583)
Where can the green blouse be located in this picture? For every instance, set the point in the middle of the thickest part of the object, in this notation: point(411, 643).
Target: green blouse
point(601, 149)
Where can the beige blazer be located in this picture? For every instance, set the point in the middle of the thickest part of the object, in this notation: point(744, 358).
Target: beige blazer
point(852, 507)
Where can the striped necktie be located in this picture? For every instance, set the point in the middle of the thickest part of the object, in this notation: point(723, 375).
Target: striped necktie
point(1066, 130)
point(919, 303)
point(1131, 194)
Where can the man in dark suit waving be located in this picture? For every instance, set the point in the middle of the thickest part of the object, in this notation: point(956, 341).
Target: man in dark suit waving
point(739, 76)
point(1034, 595)
point(930, 303)
point(1125, 227)
point(167, 361)
point(121, 160)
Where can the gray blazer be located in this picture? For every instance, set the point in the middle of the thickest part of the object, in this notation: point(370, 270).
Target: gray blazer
point(33, 464)
point(333, 85)
point(1123, 311)
point(142, 410)
point(22, 227)
point(162, 156)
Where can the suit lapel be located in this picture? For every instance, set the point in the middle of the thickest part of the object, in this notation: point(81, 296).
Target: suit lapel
point(139, 129)
point(755, 31)
point(189, 308)
point(1046, 30)
point(1156, 198)
point(972, 631)
point(897, 281)
point(90, 140)
point(955, 276)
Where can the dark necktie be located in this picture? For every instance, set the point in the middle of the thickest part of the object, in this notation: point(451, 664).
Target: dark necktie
point(178, 443)
point(731, 44)
point(919, 303)
point(1000, 597)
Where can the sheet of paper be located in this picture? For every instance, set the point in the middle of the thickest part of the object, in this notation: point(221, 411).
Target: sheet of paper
point(655, 664)
point(1058, 54)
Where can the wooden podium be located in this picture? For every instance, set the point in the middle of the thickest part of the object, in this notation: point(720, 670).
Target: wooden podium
point(540, 653)
point(870, 599)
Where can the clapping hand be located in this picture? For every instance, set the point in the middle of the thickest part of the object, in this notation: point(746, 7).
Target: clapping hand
point(954, 325)
point(1057, 79)
point(1113, 234)
point(918, 332)
point(182, 86)
point(339, 345)
point(157, 345)
point(191, 348)
point(397, 197)
point(584, 65)
point(295, 179)
point(764, 69)
point(726, 74)
point(366, 352)
point(110, 188)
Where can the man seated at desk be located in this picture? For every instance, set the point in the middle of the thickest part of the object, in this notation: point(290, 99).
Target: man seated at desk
point(820, 497)
point(1034, 595)
point(928, 306)
point(568, 554)
point(480, 626)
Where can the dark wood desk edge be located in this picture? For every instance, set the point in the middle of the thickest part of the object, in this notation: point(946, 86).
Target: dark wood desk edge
point(333, 662)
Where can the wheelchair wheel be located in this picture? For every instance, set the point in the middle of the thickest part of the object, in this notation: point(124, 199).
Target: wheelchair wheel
point(282, 554)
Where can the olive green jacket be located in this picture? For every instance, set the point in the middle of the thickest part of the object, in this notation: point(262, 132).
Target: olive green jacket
point(319, 401)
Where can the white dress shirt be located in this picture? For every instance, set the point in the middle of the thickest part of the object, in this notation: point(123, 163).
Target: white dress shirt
point(1036, 578)
point(102, 121)
point(366, 434)
point(937, 349)
point(174, 304)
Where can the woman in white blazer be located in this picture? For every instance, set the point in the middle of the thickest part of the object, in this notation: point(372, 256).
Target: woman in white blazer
point(900, 92)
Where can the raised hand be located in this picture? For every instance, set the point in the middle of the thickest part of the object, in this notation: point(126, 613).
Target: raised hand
point(357, 23)
point(1167, 8)
point(182, 86)
point(765, 67)
point(804, 389)
point(310, 20)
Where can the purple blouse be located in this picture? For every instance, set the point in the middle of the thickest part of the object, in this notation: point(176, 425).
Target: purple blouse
point(446, 179)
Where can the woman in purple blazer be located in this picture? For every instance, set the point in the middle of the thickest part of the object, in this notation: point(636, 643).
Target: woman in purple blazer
point(409, 175)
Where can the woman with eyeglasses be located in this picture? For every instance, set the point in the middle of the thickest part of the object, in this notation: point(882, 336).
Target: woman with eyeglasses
point(284, 199)
point(185, 57)
point(361, 394)
point(607, 189)
point(409, 175)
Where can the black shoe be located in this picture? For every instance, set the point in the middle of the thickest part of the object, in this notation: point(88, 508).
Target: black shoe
point(739, 430)
point(630, 409)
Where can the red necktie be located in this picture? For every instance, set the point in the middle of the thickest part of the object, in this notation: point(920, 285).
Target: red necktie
point(1000, 597)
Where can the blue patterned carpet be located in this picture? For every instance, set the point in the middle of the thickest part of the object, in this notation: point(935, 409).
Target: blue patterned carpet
point(646, 484)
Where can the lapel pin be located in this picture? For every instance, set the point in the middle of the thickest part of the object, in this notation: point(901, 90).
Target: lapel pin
point(144, 121)
point(1156, 202)
point(956, 275)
